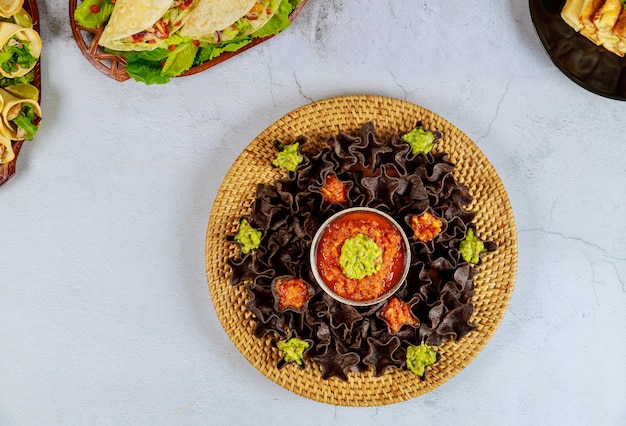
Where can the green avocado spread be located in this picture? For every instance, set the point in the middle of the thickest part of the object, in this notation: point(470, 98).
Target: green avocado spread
point(360, 257)
point(420, 357)
point(292, 349)
point(420, 140)
point(471, 247)
point(288, 157)
point(248, 237)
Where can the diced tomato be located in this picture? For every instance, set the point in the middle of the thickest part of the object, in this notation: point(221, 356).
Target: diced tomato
point(426, 226)
point(292, 293)
point(94, 8)
point(161, 30)
point(171, 47)
point(196, 43)
point(138, 38)
point(334, 190)
point(398, 313)
point(186, 4)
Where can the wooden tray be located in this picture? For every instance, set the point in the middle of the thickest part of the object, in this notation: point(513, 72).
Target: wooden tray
point(7, 170)
point(316, 121)
point(114, 66)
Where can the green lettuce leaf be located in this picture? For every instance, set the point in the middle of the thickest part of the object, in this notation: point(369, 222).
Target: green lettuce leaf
point(15, 56)
point(279, 21)
point(211, 51)
point(25, 79)
point(24, 120)
point(146, 71)
point(180, 59)
point(85, 17)
point(158, 65)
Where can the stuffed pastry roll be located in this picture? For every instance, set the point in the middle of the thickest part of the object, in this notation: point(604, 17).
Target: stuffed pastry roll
point(19, 51)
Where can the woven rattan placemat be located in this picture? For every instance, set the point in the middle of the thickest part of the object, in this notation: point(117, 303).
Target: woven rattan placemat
point(317, 121)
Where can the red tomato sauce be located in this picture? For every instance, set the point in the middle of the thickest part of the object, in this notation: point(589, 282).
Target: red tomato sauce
point(384, 234)
point(398, 313)
point(292, 293)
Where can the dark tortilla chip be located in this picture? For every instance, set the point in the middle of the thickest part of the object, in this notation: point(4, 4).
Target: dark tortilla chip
point(336, 364)
point(241, 269)
point(381, 354)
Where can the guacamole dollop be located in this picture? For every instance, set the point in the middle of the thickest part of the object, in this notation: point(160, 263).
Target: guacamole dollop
point(471, 247)
point(420, 140)
point(248, 237)
point(292, 349)
point(288, 157)
point(420, 357)
point(360, 257)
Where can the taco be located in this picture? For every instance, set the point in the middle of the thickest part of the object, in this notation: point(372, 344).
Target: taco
point(221, 21)
point(144, 24)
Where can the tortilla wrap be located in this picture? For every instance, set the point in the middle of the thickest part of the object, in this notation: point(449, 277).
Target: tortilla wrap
point(9, 104)
point(6, 150)
point(7, 32)
point(210, 16)
point(132, 17)
point(9, 8)
point(253, 18)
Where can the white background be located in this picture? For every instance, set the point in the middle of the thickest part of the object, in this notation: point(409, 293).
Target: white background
point(105, 313)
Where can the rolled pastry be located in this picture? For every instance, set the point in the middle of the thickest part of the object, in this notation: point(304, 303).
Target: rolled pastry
point(9, 8)
point(571, 13)
point(604, 21)
point(11, 108)
point(6, 150)
point(619, 29)
point(14, 39)
point(587, 15)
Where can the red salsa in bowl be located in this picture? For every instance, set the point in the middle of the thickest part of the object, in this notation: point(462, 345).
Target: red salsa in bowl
point(360, 256)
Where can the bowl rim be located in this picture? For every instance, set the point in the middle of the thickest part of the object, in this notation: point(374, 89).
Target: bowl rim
point(313, 257)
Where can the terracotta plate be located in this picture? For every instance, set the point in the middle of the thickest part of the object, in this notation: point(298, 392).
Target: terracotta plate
point(114, 66)
point(7, 170)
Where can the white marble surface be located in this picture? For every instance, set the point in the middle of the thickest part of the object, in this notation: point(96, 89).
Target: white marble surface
point(105, 314)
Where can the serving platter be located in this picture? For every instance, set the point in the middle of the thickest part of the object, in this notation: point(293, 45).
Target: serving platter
point(7, 170)
point(114, 66)
point(317, 121)
point(592, 67)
